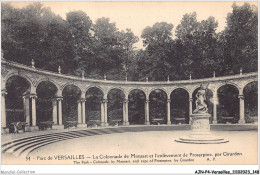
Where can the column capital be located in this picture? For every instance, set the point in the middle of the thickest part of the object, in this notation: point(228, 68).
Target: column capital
point(241, 96)
point(147, 101)
point(4, 92)
point(82, 99)
point(190, 99)
point(33, 96)
point(105, 100)
point(126, 100)
point(169, 100)
point(59, 98)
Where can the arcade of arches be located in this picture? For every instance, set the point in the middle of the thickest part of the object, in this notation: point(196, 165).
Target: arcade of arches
point(33, 96)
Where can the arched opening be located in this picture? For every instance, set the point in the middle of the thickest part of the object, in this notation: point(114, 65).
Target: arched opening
point(208, 101)
point(116, 98)
point(17, 87)
point(251, 102)
point(71, 94)
point(228, 104)
point(45, 93)
point(179, 106)
point(136, 107)
point(157, 107)
point(94, 97)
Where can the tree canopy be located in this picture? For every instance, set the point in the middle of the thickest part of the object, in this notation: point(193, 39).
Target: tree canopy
point(79, 45)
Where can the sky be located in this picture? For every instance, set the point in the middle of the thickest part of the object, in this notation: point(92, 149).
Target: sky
point(138, 15)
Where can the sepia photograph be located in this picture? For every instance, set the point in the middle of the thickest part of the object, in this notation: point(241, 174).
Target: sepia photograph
point(129, 83)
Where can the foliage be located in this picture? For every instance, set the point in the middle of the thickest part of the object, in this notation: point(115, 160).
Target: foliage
point(199, 44)
point(228, 96)
point(251, 100)
point(157, 40)
point(79, 45)
point(238, 42)
point(71, 95)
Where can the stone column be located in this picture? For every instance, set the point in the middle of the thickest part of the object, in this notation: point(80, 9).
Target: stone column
point(190, 109)
point(30, 118)
point(27, 109)
point(57, 113)
point(4, 130)
point(241, 109)
point(79, 111)
point(169, 112)
point(24, 107)
point(105, 112)
point(54, 111)
point(33, 98)
point(125, 122)
point(145, 112)
point(83, 111)
point(124, 113)
point(215, 102)
point(59, 99)
point(3, 113)
point(147, 121)
point(102, 120)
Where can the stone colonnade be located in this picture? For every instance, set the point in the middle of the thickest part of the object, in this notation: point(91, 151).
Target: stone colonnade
point(35, 76)
point(29, 101)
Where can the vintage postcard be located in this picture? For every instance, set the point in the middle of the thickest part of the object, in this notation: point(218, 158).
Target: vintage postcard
point(129, 83)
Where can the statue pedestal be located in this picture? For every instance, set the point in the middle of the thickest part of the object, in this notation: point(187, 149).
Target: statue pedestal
point(200, 131)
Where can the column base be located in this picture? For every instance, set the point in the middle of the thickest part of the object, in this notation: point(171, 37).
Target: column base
point(147, 123)
point(190, 120)
point(214, 122)
point(55, 127)
point(82, 125)
point(241, 121)
point(169, 123)
point(31, 128)
point(126, 123)
point(104, 124)
point(4, 131)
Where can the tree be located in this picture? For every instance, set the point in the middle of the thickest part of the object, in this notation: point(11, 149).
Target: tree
point(188, 27)
point(9, 20)
point(80, 27)
point(199, 40)
point(107, 50)
point(127, 40)
point(34, 32)
point(78, 45)
point(158, 34)
point(238, 42)
point(157, 40)
point(55, 46)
